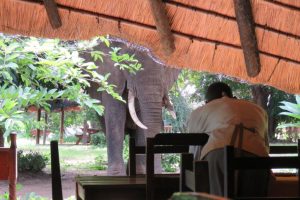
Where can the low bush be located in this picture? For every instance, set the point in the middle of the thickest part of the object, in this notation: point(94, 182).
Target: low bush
point(98, 139)
point(100, 163)
point(31, 161)
point(170, 162)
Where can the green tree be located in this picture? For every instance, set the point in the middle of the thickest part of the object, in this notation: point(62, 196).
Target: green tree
point(38, 71)
point(267, 97)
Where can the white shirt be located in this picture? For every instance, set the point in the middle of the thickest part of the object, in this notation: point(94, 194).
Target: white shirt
point(218, 119)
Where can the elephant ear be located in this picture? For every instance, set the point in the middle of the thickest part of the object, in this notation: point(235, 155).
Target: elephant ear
point(106, 66)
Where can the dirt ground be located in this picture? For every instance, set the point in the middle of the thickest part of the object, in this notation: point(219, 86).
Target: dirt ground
point(40, 183)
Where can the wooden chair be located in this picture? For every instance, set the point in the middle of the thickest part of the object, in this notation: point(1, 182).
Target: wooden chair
point(55, 172)
point(133, 151)
point(8, 166)
point(233, 163)
point(167, 143)
point(194, 175)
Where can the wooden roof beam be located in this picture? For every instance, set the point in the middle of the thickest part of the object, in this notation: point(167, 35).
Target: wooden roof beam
point(244, 18)
point(52, 13)
point(162, 26)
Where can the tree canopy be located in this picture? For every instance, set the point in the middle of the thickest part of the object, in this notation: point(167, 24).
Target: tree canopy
point(35, 72)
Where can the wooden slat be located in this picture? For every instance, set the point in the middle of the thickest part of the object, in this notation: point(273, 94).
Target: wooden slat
point(243, 12)
point(4, 163)
point(180, 139)
point(294, 3)
point(283, 149)
point(8, 166)
point(52, 13)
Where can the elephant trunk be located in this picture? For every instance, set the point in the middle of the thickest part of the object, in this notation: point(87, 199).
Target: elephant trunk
point(151, 115)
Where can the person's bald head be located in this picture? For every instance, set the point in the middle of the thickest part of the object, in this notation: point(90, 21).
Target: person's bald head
point(217, 90)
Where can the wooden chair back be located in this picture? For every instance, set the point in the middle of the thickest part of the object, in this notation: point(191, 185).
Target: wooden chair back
point(233, 163)
point(55, 172)
point(8, 166)
point(167, 143)
point(133, 151)
point(283, 149)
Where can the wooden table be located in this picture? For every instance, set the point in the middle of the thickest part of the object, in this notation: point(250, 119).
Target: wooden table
point(123, 187)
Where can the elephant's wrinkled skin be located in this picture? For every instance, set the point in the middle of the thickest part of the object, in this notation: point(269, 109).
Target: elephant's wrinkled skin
point(150, 86)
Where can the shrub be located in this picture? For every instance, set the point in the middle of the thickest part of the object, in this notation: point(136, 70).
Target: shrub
point(170, 162)
point(31, 161)
point(100, 163)
point(33, 196)
point(98, 139)
point(4, 196)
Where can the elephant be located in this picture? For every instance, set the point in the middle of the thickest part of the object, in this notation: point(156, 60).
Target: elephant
point(145, 92)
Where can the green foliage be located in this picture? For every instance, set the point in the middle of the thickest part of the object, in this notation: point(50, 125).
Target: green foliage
point(100, 163)
point(36, 71)
point(291, 110)
point(182, 110)
point(125, 61)
point(126, 147)
point(4, 196)
point(29, 196)
point(33, 196)
point(201, 81)
point(98, 139)
point(31, 161)
point(170, 162)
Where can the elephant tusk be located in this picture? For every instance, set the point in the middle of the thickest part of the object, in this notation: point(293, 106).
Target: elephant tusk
point(132, 111)
point(172, 113)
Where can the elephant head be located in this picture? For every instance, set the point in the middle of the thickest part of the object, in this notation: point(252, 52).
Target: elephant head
point(146, 93)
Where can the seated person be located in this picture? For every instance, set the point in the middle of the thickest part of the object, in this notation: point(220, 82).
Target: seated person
point(220, 117)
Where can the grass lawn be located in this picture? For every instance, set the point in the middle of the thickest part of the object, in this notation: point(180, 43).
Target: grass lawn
point(72, 157)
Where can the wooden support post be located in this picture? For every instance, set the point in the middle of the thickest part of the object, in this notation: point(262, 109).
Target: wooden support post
point(46, 128)
point(13, 172)
point(62, 128)
point(55, 172)
point(38, 131)
point(85, 132)
point(244, 18)
point(162, 26)
point(52, 13)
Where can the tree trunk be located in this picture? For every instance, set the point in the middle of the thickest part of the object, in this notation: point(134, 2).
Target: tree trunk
point(1, 138)
point(263, 97)
point(260, 96)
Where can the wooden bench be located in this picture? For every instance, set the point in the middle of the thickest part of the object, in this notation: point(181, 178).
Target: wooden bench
point(90, 131)
point(8, 166)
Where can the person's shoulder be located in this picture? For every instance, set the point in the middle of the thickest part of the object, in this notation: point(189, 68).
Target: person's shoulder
point(249, 104)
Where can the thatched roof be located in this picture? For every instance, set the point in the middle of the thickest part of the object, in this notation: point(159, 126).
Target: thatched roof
point(206, 33)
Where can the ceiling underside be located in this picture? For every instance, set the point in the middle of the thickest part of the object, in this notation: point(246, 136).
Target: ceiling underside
point(206, 33)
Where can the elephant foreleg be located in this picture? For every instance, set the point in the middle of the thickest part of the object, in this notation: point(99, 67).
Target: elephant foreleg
point(115, 115)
